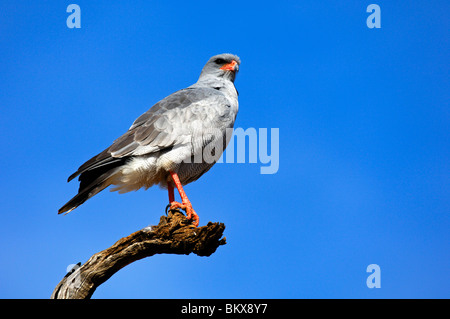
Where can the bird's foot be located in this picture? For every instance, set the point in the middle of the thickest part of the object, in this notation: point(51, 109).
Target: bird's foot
point(190, 212)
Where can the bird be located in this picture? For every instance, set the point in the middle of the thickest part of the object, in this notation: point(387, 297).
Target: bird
point(166, 145)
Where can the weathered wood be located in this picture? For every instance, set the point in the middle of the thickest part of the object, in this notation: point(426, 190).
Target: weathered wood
point(173, 235)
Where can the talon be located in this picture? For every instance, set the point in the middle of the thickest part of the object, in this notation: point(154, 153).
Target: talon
point(190, 212)
point(195, 218)
point(175, 205)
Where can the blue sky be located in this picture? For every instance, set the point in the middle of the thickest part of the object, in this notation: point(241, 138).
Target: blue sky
point(363, 116)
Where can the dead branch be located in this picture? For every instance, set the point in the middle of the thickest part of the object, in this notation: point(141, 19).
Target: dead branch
point(173, 235)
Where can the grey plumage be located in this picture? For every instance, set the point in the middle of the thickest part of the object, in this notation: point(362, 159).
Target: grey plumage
point(171, 136)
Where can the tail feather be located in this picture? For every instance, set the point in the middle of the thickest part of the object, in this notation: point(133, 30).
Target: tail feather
point(102, 159)
point(93, 181)
point(81, 197)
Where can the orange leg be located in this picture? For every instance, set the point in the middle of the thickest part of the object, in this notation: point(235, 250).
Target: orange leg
point(171, 193)
point(185, 203)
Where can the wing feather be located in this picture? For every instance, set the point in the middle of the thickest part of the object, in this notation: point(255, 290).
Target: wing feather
point(165, 124)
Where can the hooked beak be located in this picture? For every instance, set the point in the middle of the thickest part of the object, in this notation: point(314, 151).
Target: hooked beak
point(232, 66)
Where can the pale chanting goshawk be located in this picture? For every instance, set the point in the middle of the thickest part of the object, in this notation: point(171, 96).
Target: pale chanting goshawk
point(166, 145)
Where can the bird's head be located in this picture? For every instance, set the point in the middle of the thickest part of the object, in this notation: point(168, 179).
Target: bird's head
point(224, 65)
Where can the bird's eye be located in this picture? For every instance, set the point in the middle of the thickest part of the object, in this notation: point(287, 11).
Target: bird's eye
point(220, 61)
